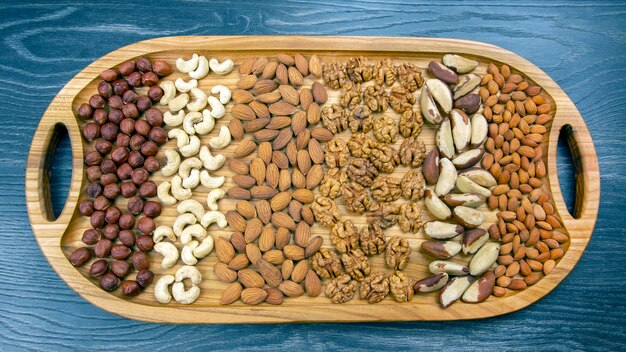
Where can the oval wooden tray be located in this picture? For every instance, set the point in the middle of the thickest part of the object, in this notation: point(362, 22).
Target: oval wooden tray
point(58, 237)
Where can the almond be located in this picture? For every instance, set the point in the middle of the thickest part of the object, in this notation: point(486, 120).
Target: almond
point(267, 239)
point(263, 86)
point(314, 114)
point(246, 81)
point(265, 135)
point(289, 94)
point(300, 271)
point(244, 181)
point(241, 96)
point(314, 177)
point(315, 66)
point(253, 253)
point(319, 93)
point(246, 209)
point(295, 210)
point(291, 289)
point(253, 230)
point(239, 167)
point(316, 151)
point(264, 211)
point(282, 75)
point(282, 238)
point(321, 134)
point(302, 64)
point(283, 220)
point(282, 139)
point(307, 215)
point(280, 201)
point(262, 192)
point(285, 59)
point(298, 122)
point(242, 112)
point(223, 273)
point(294, 252)
point(239, 193)
point(246, 66)
point(259, 65)
point(250, 278)
point(270, 70)
point(280, 159)
point(274, 256)
point(239, 262)
point(269, 98)
point(295, 76)
point(272, 175)
point(304, 161)
point(224, 250)
point(312, 284)
point(257, 170)
point(302, 140)
point(238, 242)
point(314, 245)
point(284, 180)
point(235, 220)
point(270, 273)
point(302, 234)
point(274, 296)
point(303, 195)
point(231, 293)
point(260, 110)
point(279, 122)
point(253, 296)
point(236, 129)
point(298, 179)
point(245, 148)
point(282, 108)
point(292, 151)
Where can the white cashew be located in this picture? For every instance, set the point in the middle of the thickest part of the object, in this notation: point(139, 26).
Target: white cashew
point(185, 297)
point(193, 180)
point(195, 230)
point(161, 232)
point(209, 161)
point(186, 165)
point(173, 120)
point(182, 221)
point(202, 70)
point(221, 68)
point(169, 92)
point(187, 66)
point(178, 103)
point(169, 253)
point(186, 254)
point(217, 109)
point(161, 289)
point(224, 93)
point(192, 148)
point(178, 191)
point(191, 206)
point(222, 140)
point(213, 196)
point(205, 247)
point(183, 86)
point(198, 100)
point(173, 161)
point(190, 120)
point(211, 182)
point(189, 272)
point(182, 138)
point(207, 124)
point(163, 193)
point(214, 217)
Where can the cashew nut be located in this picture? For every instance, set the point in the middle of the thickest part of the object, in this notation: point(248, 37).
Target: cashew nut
point(221, 68)
point(211, 182)
point(205, 247)
point(213, 196)
point(214, 217)
point(191, 206)
point(224, 92)
point(169, 92)
point(188, 65)
point(209, 161)
point(190, 120)
point(186, 254)
point(189, 272)
point(195, 230)
point(161, 232)
point(173, 161)
point(198, 100)
point(179, 102)
point(207, 124)
point(163, 193)
point(183, 86)
point(182, 221)
point(222, 140)
point(178, 191)
point(186, 165)
point(173, 120)
point(217, 109)
point(169, 253)
point(192, 148)
point(182, 138)
point(185, 297)
point(193, 180)
point(202, 70)
point(161, 289)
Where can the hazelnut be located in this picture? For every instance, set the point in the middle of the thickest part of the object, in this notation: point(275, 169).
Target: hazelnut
point(128, 189)
point(111, 191)
point(144, 243)
point(91, 237)
point(99, 268)
point(105, 89)
point(80, 256)
point(149, 148)
point(161, 67)
point(120, 268)
point(139, 176)
point(136, 141)
point(122, 140)
point(93, 190)
point(109, 282)
point(120, 251)
point(134, 79)
point(119, 155)
point(143, 64)
point(97, 219)
point(151, 209)
point(144, 278)
point(91, 131)
point(127, 237)
point(148, 189)
point(103, 248)
point(130, 288)
point(155, 93)
point(111, 231)
point(85, 207)
point(135, 159)
point(126, 221)
point(120, 86)
point(130, 110)
point(107, 179)
point(149, 79)
point(84, 111)
point(109, 75)
point(130, 96)
point(115, 102)
point(146, 225)
point(151, 164)
point(93, 158)
point(115, 115)
point(112, 215)
point(140, 261)
point(103, 146)
point(97, 102)
point(143, 103)
point(94, 173)
point(158, 135)
point(109, 131)
point(100, 116)
point(127, 126)
point(101, 203)
point(135, 205)
point(142, 127)
point(108, 166)
point(154, 117)
point(123, 171)
point(127, 67)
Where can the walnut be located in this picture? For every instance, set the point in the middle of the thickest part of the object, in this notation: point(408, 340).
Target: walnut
point(332, 182)
point(384, 215)
point(384, 157)
point(341, 289)
point(410, 217)
point(356, 197)
point(361, 145)
point(375, 287)
point(336, 153)
point(356, 264)
point(333, 75)
point(326, 211)
point(411, 123)
point(372, 239)
point(362, 171)
point(401, 99)
point(385, 129)
point(326, 264)
point(412, 152)
point(334, 118)
point(397, 253)
point(400, 285)
point(385, 72)
point(359, 70)
point(351, 95)
point(413, 185)
point(410, 77)
point(360, 118)
point(376, 98)
point(344, 236)
point(386, 188)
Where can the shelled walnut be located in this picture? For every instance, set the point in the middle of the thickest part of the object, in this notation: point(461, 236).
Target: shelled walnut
point(374, 288)
point(351, 95)
point(334, 75)
point(326, 211)
point(326, 264)
point(397, 253)
point(331, 183)
point(356, 264)
point(401, 99)
point(385, 129)
point(361, 171)
point(334, 118)
point(360, 119)
point(411, 123)
point(385, 72)
point(412, 152)
point(336, 153)
point(376, 98)
point(400, 286)
point(361, 145)
point(344, 236)
point(384, 157)
point(372, 239)
point(359, 70)
point(384, 215)
point(341, 289)
point(410, 77)
point(356, 197)
point(413, 185)
point(410, 217)
point(386, 188)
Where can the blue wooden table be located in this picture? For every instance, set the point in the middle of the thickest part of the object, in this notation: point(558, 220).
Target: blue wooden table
point(581, 45)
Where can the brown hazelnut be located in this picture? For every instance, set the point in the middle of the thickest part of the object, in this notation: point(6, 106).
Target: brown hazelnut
point(140, 261)
point(97, 219)
point(105, 89)
point(109, 75)
point(161, 67)
point(99, 268)
point(127, 237)
point(142, 127)
point(122, 140)
point(148, 189)
point(127, 67)
point(109, 282)
point(123, 171)
point(120, 251)
point(144, 278)
point(135, 159)
point(108, 166)
point(107, 179)
point(134, 79)
point(120, 86)
point(85, 207)
point(130, 288)
point(145, 243)
point(127, 126)
point(103, 248)
point(93, 158)
point(115, 116)
point(91, 237)
point(93, 190)
point(126, 221)
point(111, 191)
point(80, 256)
point(120, 268)
point(103, 146)
point(119, 155)
point(151, 164)
point(84, 111)
point(155, 93)
point(109, 131)
point(97, 102)
point(139, 176)
point(143, 64)
point(136, 141)
point(100, 117)
point(101, 203)
point(128, 189)
point(135, 205)
point(151, 209)
point(130, 110)
point(91, 131)
point(149, 79)
point(149, 148)
point(143, 103)
point(115, 102)
point(158, 135)
point(111, 231)
point(130, 96)
point(112, 215)
point(154, 117)
point(94, 173)
point(146, 225)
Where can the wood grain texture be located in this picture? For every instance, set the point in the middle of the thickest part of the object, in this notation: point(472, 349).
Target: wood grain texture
point(578, 44)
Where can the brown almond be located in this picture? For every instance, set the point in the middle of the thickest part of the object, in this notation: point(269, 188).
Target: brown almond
point(302, 64)
point(263, 86)
point(302, 234)
point(280, 201)
point(244, 181)
point(260, 110)
point(300, 271)
point(238, 242)
point(283, 138)
point(280, 159)
point(242, 112)
point(285, 59)
point(246, 82)
point(289, 94)
point(231, 293)
point(319, 93)
point(283, 220)
point(270, 70)
point(246, 66)
point(314, 177)
point(239, 167)
point(223, 273)
point(265, 152)
point(274, 256)
point(265, 135)
point(250, 278)
point(245, 148)
point(257, 170)
point(253, 296)
point(304, 161)
point(314, 114)
point(235, 220)
point(262, 192)
point(264, 211)
point(281, 74)
point(306, 98)
point(241, 96)
point(282, 108)
point(236, 129)
point(274, 296)
point(287, 268)
point(321, 134)
point(282, 238)
point(272, 175)
point(303, 195)
point(253, 253)
point(302, 141)
point(294, 252)
point(239, 193)
point(284, 180)
point(270, 273)
point(316, 151)
point(246, 209)
point(313, 284)
point(269, 98)
point(239, 262)
point(315, 66)
point(279, 122)
point(291, 289)
point(298, 179)
point(224, 250)
point(295, 76)
point(295, 210)
point(314, 245)
point(253, 230)
point(259, 65)
point(267, 239)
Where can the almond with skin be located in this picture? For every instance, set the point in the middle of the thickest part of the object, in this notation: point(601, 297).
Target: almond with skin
point(265, 135)
point(259, 65)
point(238, 242)
point(224, 250)
point(239, 167)
point(263, 86)
point(284, 180)
point(257, 170)
point(253, 296)
point(239, 193)
point(319, 93)
point(270, 70)
point(245, 148)
point(298, 179)
point(253, 253)
point(303, 195)
point(306, 98)
point(282, 238)
point(313, 246)
point(282, 108)
point(242, 112)
point(264, 211)
point(295, 210)
point(269, 98)
point(279, 122)
point(289, 94)
point(302, 141)
point(274, 256)
point(316, 151)
point(302, 64)
point(314, 177)
point(321, 134)
point(291, 289)
point(260, 110)
point(312, 284)
point(246, 209)
point(285, 59)
point(223, 273)
point(231, 293)
point(314, 114)
point(272, 175)
point(304, 161)
point(300, 271)
point(246, 66)
point(294, 252)
point(265, 152)
point(267, 239)
point(283, 138)
point(253, 230)
point(287, 268)
point(270, 273)
point(283, 220)
point(281, 74)
point(246, 82)
point(236, 129)
point(315, 66)
point(280, 201)
point(295, 76)
point(250, 278)
point(302, 234)
point(235, 221)
point(274, 296)
point(262, 192)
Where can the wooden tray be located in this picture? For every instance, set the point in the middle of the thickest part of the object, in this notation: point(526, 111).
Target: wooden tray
point(58, 237)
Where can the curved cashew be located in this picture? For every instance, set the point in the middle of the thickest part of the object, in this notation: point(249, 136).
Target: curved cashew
point(195, 230)
point(213, 196)
point(169, 253)
point(188, 65)
point(211, 182)
point(209, 161)
point(224, 93)
point(191, 206)
point(222, 140)
point(183, 86)
point(178, 103)
point(182, 138)
point(161, 289)
point(173, 161)
point(178, 191)
point(190, 120)
point(189, 272)
point(182, 221)
point(161, 232)
point(202, 70)
point(205, 247)
point(193, 180)
point(207, 124)
point(192, 148)
point(169, 92)
point(163, 193)
point(186, 165)
point(221, 68)
point(214, 217)
point(173, 120)
point(198, 100)
point(186, 254)
point(217, 109)
point(185, 297)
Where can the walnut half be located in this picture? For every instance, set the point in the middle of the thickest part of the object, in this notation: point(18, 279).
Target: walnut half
point(356, 264)
point(413, 185)
point(356, 197)
point(385, 129)
point(361, 171)
point(332, 182)
point(386, 188)
point(344, 236)
point(341, 289)
point(384, 215)
point(336, 153)
point(334, 118)
point(410, 217)
point(326, 211)
point(326, 264)
point(397, 253)
point(412, 152)
point(374, 288)
point(401, 288)
point(372, 239)
point(384, 157)
point(411, 123)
